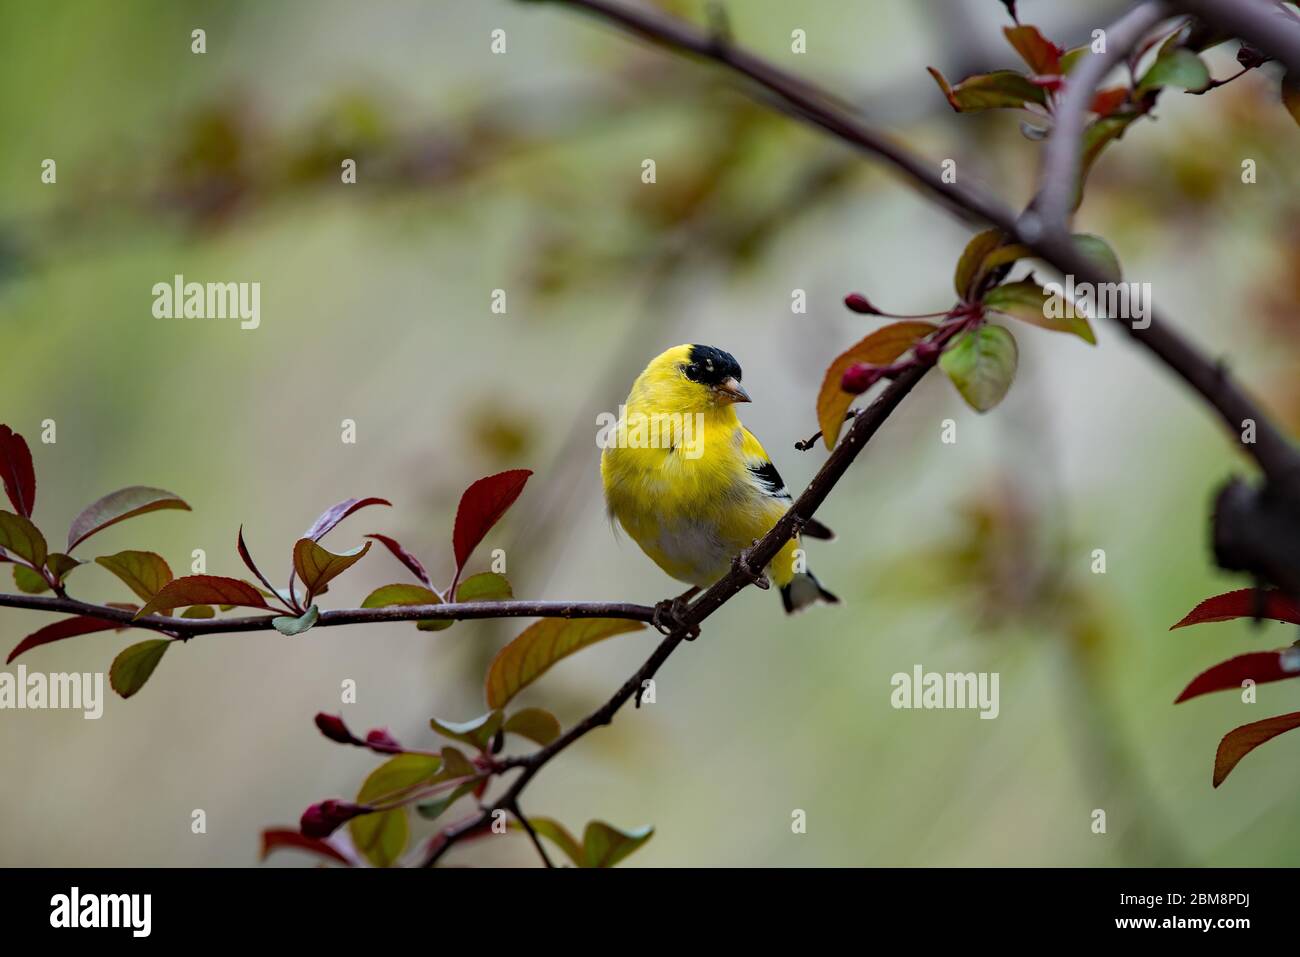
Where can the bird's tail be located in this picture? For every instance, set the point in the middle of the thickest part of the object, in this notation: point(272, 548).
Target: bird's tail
point(802, 590)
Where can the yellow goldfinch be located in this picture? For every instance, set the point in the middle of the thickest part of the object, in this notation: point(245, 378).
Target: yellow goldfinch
point(692, 486)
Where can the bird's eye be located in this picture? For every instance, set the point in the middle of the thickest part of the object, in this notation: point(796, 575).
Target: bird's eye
point(690, 370)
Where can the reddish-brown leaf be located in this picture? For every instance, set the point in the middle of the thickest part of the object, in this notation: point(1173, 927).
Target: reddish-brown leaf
point(541, 645)
point(1258, 666)
point(278, 839)
point(251, 565)
point(1106, 102)
point(1042, 55)
point(204, 590)
point(403, 556)
point(17, 472)
point(1239, 742)
point(335, 514)
point(118, 506)
point(883, 346)
point(57, 631)
point(1244, 603)
point(481, 507)
point(317, 566)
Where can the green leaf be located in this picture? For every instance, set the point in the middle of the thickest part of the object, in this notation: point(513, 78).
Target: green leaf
point(1102, 256)
point(132, 668)
point(30, 582)
point(982, 364)
point(1097, 135)
point(557, 834)
point(604, 845)
point(485, 586)
point(535, 724)
point(61, 565)
point(19, 536)
point(317, 566)
point(477, 732)
point(199, 611)
point(1001, 89)
point(145, 573)
point(456, 765)
point(117, 507)
point(290, 626)
point(1029, 302)
point(541, 645)
point(1181, 68)
point(1073, 57)
point(430, 810)
point(381, 837)
point(403, 593)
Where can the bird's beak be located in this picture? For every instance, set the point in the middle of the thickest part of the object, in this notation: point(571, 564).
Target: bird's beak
point(732, 391)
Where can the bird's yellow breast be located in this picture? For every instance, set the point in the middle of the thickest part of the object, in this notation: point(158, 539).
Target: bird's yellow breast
point(691, 507)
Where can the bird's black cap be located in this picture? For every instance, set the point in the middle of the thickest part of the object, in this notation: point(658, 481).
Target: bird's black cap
point(711, 366)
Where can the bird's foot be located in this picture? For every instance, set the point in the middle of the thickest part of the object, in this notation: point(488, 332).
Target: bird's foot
point(670, 615)
point(741, 564)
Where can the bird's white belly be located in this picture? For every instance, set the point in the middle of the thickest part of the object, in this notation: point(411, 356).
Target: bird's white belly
point(697, 551)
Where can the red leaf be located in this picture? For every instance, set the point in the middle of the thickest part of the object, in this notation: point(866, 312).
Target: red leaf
point(1245, 603)
point(332, 516)
point(481, 507)
point(66, 628)
point(204, 590)
point(1258, 666)
point(1042, 55)
point(251, 565)
point(1239, 742)
point(276, 839)
point(1106, 102)
point(403, 556)
point(17, 472)
point(117, 507)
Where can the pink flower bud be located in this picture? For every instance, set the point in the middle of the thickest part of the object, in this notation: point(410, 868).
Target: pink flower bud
point(323, 819)
point(860, 304)
point(861, 377)
point(332, 727)
point(926, 351)
point(380, 740)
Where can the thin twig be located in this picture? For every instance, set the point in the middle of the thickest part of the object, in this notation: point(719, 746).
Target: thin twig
point(461, 611)
point(528, 827)
point(1063, 150)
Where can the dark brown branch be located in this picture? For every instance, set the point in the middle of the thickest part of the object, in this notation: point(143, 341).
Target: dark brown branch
point(461, 611)
point(864, 427)
point(532, 834)
point(1271, 450)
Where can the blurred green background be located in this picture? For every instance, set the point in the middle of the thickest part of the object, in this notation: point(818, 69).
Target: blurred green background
point(522, 172)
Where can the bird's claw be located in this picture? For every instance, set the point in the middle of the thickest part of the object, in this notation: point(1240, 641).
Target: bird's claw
point(741, 564)
point(669, 617)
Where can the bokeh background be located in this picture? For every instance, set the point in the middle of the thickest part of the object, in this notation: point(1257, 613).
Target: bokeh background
point(522, 172)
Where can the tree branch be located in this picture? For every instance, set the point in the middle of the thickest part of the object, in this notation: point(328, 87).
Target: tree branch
point(458, 611)
point(1062, 152)
point(1261, 23)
